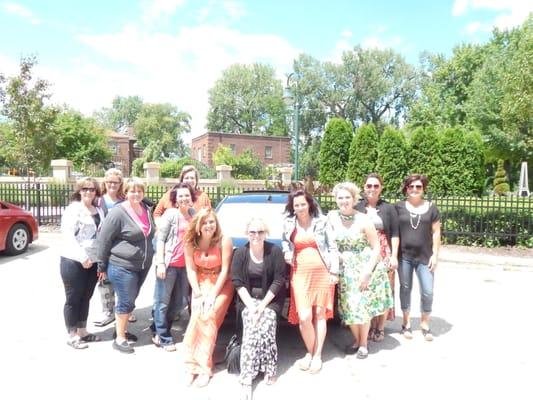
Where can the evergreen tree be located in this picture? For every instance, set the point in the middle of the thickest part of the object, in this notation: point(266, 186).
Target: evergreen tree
point(334, 151)
point(501, 183)
point(425, 156)
point(392, 163)
point(363, 153)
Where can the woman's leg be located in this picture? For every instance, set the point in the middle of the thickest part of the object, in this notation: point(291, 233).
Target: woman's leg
point(307, 329)
point(321, 329)
point(405, 275)
point(426, 282)
point(90, 283)
point(164, 289)
point(74, 283)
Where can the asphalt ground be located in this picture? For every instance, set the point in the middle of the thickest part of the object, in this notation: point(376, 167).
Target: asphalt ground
point(481, 323)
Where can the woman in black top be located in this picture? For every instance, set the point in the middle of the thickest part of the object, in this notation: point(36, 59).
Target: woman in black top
point(258, 273)
point(385, 219)
point(419, 221)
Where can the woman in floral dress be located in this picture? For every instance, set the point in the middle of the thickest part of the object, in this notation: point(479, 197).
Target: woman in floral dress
point(364, 287)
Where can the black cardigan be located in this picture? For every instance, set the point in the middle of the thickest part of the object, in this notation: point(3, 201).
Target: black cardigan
point(274, 274)
point(387, 213)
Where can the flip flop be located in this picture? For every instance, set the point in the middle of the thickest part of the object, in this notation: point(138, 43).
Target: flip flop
point(91, 337)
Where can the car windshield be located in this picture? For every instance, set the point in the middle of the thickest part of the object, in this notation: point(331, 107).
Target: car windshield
point(234, 216)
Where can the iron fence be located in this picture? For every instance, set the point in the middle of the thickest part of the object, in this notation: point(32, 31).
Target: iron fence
point(489, 221)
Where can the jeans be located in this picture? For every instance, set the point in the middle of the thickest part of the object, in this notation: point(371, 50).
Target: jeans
point(79, 286)
point(170, 297)
point(425, 281)
point(127, 284)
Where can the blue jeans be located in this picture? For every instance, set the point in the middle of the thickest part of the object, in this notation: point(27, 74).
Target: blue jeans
point(425, 281)
point(127, 284)
point(170, 297)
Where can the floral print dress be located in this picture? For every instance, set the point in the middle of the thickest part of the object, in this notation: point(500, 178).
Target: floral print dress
point(356, 306)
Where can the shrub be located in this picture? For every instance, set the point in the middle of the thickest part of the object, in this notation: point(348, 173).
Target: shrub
point(425, 157)
point(172, 168)
point(363, 154)
point(501, 183)
point(334, 151)
point(392, 164)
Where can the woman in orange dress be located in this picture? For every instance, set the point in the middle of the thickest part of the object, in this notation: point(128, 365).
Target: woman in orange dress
point(309, 248)
point(207, 258)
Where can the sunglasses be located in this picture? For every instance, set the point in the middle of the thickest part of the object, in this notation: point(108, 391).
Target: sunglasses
point(415, 187)
point(372, 186)
point(256, 232)
point(91, 190)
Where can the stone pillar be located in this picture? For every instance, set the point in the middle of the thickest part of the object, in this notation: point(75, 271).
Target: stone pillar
point(286, 174)
point(61, 170)
point(223, 172)
point(151, 172)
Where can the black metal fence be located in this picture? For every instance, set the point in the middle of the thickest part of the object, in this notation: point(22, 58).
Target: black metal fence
point(489, 221)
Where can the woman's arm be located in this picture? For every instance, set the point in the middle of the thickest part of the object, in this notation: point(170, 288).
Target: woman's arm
point(191, 271)
point(395, 237)
point(435, 227)
point(286, 244)
point(70, 225)
point(373, 240)
point(227, 252)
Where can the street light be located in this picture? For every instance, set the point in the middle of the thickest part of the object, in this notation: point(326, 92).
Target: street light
point(291, 94)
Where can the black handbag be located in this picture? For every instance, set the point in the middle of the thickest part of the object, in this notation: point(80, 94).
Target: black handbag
point(233, 355)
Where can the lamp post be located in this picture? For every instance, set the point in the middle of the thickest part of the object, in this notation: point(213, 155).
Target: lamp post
point(291, 94)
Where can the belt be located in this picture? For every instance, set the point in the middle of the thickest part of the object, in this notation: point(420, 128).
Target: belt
point(208, 271)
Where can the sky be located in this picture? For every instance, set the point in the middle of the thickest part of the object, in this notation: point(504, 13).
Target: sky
point(174, 50)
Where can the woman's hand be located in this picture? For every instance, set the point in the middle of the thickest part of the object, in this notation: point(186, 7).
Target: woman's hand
point(209, 303)
point(257, 312)
point(197, 302)
point(432, 263)
point(161, 271)
point(102, 276)
point(87, 263)
point(364, 282)
point(393, 263)
point(333, 278)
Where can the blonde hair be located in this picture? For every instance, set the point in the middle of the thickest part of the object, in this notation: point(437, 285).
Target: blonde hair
point(257, 220)
point(349, 187)
point(114, 172)
point(134, 183)
point(80, 183)
point(194, 230)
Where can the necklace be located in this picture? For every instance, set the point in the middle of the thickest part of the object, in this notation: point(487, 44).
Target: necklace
point(346, 217)
point(413, 217)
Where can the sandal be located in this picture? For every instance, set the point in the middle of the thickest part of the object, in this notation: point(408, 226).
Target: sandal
point(427, 334)
point(202, 380)
point(315, 366)
point(371, 333)
point(91, 337)
point(132, 318)
point(269, 380)
point(407, 332)
point(351, 349)
point(77, 344)
point(305, 362)
point(362, 353)
point(189, 379)
point(379, 335)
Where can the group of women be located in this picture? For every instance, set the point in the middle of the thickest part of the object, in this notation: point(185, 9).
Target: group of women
point(359, 246)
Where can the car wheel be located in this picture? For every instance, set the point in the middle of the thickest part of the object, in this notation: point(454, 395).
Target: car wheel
point(18, 239)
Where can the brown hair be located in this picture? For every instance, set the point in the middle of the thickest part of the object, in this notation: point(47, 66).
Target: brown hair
point(194, 233)
point(185, 170)
point(76, 196)
point(174, 192)
point(414, 177)
point(289, 208)
point(374, 175)
point(134, 183)
point(108, 174)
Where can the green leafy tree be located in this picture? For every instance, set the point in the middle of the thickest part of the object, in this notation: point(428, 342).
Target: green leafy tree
point(80, 140)
point(425, 156)
point(172, 168)
point(244, 166)
point(501, 182)
point(310, 160)
point(123, 113)
point(363, 153)
point(159, 129)
point(30, 136)
point(247, 99)
point(392, 160)
point(335, 151)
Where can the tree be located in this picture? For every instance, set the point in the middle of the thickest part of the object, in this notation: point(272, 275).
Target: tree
point(159, 129)
point(501, 182)
point(310, 160)
point(244, 166)
point(392, 162)
point(172, 168)
point(80, 140)
point(425, 156)
point(363, 153)
point(31, 138)
point(247, 99)
point(122, 114)
point(334, 151)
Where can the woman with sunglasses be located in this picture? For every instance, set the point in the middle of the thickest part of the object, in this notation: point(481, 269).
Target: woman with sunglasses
point(79, 226)
point(419, 222)
point(258, 274)
point(310, 250)
point(385, 219)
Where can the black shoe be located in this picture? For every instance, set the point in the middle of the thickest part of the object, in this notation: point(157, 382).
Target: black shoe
point(123, 347)
point(130, 337)
point(351, 349)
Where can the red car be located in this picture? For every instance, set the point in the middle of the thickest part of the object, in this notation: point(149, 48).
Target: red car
point(18, 228)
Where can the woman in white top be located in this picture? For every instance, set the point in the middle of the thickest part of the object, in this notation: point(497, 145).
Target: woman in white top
point(79, 226)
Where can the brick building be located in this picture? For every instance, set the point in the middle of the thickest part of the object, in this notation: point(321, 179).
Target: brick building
point(123, 149)
point(269, 149)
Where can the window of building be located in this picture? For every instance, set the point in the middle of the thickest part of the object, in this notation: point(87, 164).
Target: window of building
point(233, 148)
point(114, 148)
point(268, 152)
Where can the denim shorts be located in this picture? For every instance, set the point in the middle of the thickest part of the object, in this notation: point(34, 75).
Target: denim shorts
point(127, 284)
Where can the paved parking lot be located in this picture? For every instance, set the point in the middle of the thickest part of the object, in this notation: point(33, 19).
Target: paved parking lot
point(482, 346)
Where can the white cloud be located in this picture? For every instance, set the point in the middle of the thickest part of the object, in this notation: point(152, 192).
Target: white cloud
point(20, 11)
point(511, 13)
point(165, 68)
point(234, 9)
point(459, 7)
point(154, 9)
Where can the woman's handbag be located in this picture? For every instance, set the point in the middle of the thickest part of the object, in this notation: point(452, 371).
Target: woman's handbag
point(233, 355)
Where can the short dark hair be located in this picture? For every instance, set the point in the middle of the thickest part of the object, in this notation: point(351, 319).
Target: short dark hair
point(76, 196)
point(414, 177)
point(313, 208)
point(373, 175)
point(174, 192)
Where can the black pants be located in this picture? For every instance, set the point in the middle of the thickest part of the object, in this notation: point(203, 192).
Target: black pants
point(79, 285)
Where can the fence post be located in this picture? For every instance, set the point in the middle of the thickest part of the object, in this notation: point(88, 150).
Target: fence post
point(38, 201)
